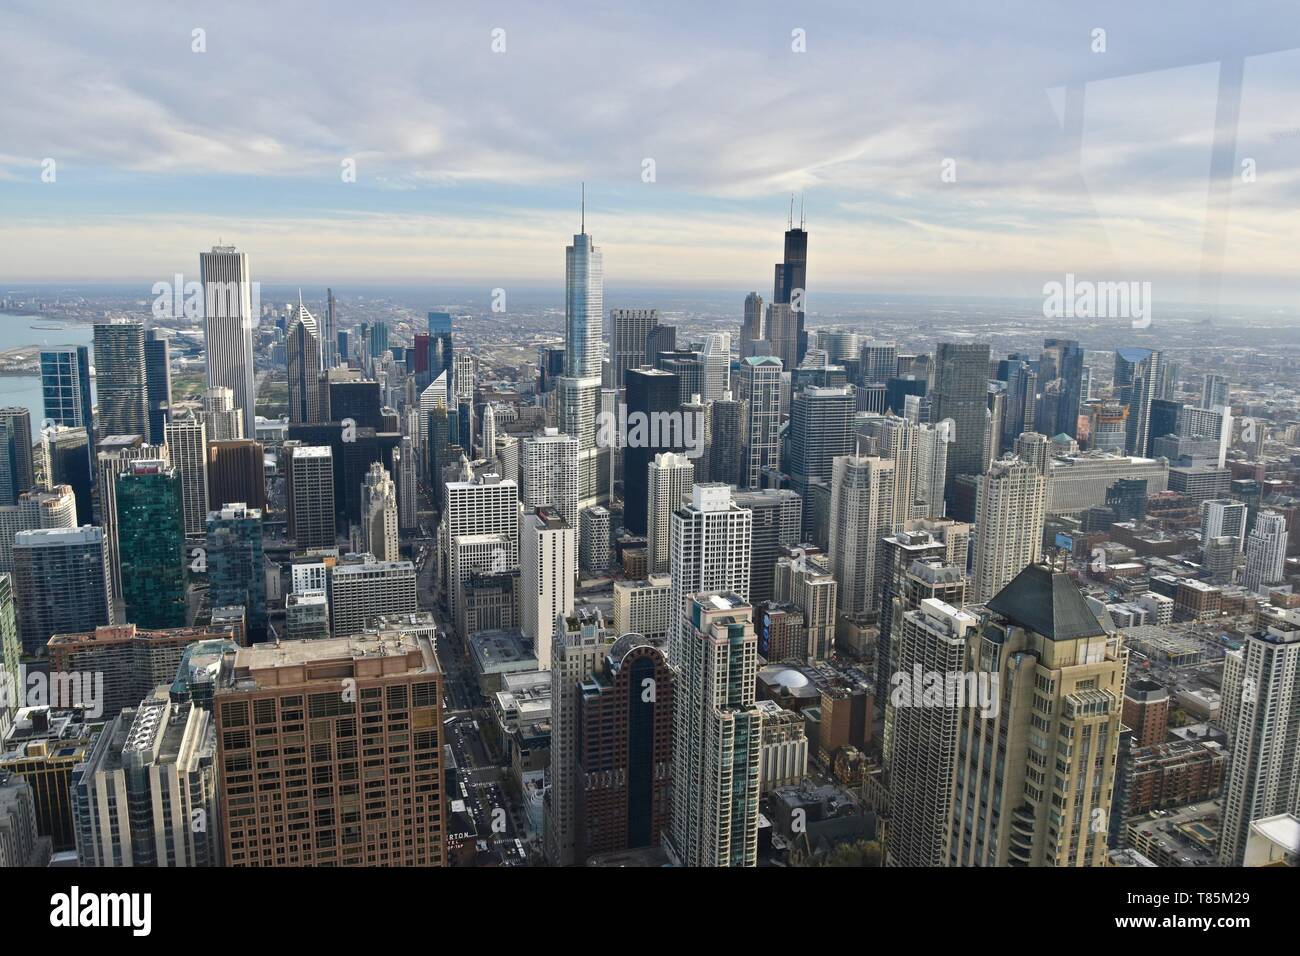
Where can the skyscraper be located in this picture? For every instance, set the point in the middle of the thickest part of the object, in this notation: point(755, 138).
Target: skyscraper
point(961, 399)
point(1036, 766)
point(579, 387)
point(628, 329)
point(548, 473)
point(753, 330)
point(1136, 381)
point(187, 449)
point(229, 318)
point(776, 523)
point(236, 563)
point(17, 471)
point(311, 501)
point(1265, 553)
point(1009, 514)
point(790, 289)
point(396, 703)
point(710, 546)
point(158, 383)
point(236, 472)
point(821, 430)
point(361, 592)
point(726, 440)
point(1060, 379)
point(717, 366)
point(717, 735)
point(651, 394)
point(67, 462)
point(65, 385)
point(548, 567)
point(61, 581)
point(862, 502)
point(121, 385)
point(760, 391)
point(670, 476)
point(1262, 708)
point(379, 514)
point(302, 348)
point(151, 544)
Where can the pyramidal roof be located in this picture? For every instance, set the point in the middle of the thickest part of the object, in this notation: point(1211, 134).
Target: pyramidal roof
point(1047, 602)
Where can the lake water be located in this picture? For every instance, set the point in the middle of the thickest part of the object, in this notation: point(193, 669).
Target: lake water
point(16, 332)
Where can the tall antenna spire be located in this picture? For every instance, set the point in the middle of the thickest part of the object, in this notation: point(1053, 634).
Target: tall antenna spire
point(584, 208)
point(802, 196)
point(791, 220)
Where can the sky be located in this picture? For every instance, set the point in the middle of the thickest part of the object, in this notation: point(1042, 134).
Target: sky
point(938, 147)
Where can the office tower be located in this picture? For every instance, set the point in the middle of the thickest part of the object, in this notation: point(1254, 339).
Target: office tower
point(188, 452)
point(594, 536)
point(1035, 449)
point(862, 501)
point(784, 326)
point(116, 452)
point(821, 430)
point(487, 505)
point(311, 501)
point(236, 472)
point(408, 498)
point(307, 616)
point(1015, 403)
point(345, 349)
point(61, 582)
point(362, 592)
point(931, 641)
point(548, 472)
point(1137, 372)
point(1214, 391)
point(641, 607)
point(670, 478)
point(790, 290)
point(438, 347)
point(158, 383)
point(302, 348)
point(1223, 517)
point(777, 523)
point(236, 563)
point(624, 742)
point(727, 440)
point(879, 363)
point(67, 462)
point(1127, 498)
point(710, 545)
point(21, 843)
point(17, 473)
point(151, 544)
point(1009, 515)
point(147, 793)
point(378, 339)
point(65, 386)
point(1036, 768)
point(379, 514)
point(44, 747)
point(329, 333)
point(753, 330)
point(717, 735)
point(1061, 381)
point(575, 654)
point(219, 415)
point(929, 471)
point(488, 434)
point(464, 376)
point(1108, 427)
point(652, 395)
point(717, 366)
point(120, 384)
point(548, 566)
point(1265, 553)
point(392, 701)
point(961, 400)
point(229, 318)
point(760, 392)
point(628, 329)
point(806, 587)
point(579, 387)
point(1264, 775)
point(354, 399)
point(914, 450)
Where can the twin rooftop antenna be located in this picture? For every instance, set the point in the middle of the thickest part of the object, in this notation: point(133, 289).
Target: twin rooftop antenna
point(802, 220)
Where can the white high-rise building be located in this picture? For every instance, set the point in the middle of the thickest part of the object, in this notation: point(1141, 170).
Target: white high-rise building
point(363, 591)
point(711, 539)
point(1223, 517)
point(932, 640)
point(862, 502)
point(1265, 553)
point(1261, 695)
point(760, 390)
point(488, 435)
point(229, 318)
point(642, 607)
point(38, 508)
point(488, 505)
point(671, 477)
point(379, 514)
point(930, 471)
point(187, 449)
point(1009, 513)
point(549, 473)
point(548, 565)
point(717, 735)
point(716, 379)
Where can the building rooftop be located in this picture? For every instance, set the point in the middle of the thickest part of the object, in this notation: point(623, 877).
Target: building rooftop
point(1047, 602)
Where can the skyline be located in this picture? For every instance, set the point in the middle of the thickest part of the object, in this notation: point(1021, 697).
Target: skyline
point(468, 162)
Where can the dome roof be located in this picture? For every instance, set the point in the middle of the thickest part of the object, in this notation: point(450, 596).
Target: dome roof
point(791, 678)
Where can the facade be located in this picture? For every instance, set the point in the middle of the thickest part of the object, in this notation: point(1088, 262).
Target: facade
point(960, 396)
point(1009, 515)
point(120, 384)
point(862, 497)
point(229, 318)
point(61, 581)
point(311, 504)
point(379, 534)
point(548, 473)
point(759, 384)
point(1265, 553)
point(236, 472)
point(710, 548)
point(669, 478)
point(642, 607)
point(334, 814)
point(548, 567)
point(235, 564)
point(151, 544)
point(360, 593)
point(188, 452)
point(594, 537)
point(628, 329)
